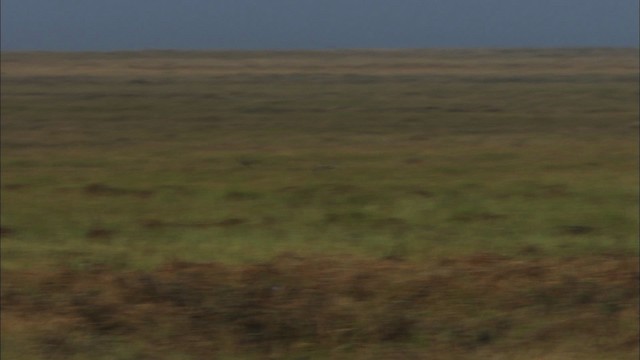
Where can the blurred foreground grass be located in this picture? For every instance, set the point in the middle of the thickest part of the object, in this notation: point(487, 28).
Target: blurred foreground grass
point(134, 160)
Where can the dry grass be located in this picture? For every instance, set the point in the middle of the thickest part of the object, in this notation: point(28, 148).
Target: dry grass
point(440, 204)
point(450, 63)
point(294, 305)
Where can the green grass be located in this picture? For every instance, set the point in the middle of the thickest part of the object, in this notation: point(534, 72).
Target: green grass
point(131, 161)
point(315, 159)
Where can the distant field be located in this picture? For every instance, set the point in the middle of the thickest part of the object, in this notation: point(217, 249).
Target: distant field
point(389, 162)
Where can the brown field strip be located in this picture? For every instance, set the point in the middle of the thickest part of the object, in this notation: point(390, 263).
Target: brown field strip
point(482, 302)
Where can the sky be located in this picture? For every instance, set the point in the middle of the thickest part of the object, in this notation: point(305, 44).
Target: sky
point(91, 25)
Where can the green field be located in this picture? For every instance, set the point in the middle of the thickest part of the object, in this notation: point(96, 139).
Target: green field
point(386, 168)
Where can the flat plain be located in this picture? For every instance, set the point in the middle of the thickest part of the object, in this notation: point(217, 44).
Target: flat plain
point(369, 204)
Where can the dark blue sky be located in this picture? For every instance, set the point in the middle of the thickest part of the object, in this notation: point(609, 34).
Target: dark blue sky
point(315, 24)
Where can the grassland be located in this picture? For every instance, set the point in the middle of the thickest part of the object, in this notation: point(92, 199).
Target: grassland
point(491, 192)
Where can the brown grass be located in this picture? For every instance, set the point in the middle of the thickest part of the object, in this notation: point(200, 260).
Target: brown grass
point(150, 64)
point(483, 303)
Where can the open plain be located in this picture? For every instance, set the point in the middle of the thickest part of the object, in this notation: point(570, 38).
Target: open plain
point(440, 204)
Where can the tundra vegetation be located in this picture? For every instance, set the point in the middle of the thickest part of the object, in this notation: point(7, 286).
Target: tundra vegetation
point(440, 204)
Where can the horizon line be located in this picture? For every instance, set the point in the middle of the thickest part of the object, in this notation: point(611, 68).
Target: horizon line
point(336, 49)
